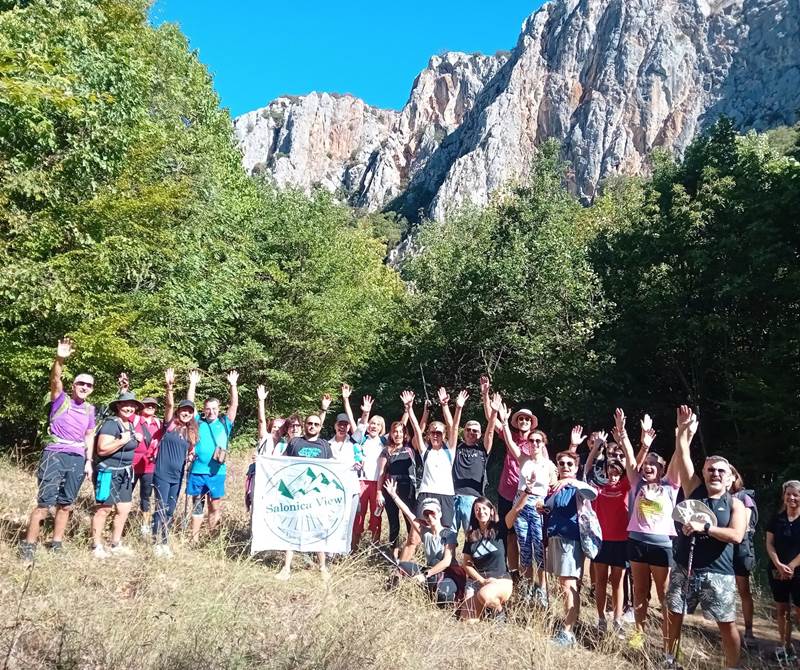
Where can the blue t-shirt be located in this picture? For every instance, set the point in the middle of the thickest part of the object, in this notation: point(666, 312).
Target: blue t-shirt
point(563, 517)
point(212, 435)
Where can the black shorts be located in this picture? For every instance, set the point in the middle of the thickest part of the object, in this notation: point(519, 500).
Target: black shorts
point(121, 487)
point(613, 553)
point(504, 507)
point(652, 554)
point(785, 591)
point(60, 477)
point(445, 502)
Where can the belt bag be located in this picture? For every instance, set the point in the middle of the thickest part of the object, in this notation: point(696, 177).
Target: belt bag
point(104, 476)
point(220, 455)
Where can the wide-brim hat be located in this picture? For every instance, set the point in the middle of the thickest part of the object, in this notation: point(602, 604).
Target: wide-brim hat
point(524, 412)
point(126, 397)
point(693, 510)
point(149, 401)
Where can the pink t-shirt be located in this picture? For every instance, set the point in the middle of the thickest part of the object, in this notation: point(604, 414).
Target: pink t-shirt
point(509, 477)
point(651, 508)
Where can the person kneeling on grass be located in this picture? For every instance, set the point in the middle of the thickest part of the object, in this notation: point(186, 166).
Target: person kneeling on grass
point(443, 577)
point(207, 476)
point(489, 584)
point(113, 475)
point(564, 553)
point(310, 445)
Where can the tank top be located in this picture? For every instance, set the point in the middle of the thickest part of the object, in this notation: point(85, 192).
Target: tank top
point(710, 555)
point(437, 474)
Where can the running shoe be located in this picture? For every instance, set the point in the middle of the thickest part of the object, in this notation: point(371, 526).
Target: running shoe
point(564, 639)
point(27, 551)
point(602, 626)
point(121, 550)
point(98, 551)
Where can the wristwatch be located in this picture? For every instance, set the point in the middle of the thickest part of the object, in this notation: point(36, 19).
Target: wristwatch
point(706, 527)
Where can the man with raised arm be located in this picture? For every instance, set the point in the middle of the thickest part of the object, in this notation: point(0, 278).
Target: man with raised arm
point(207, 474)
point(67, 455)
point(712, 583)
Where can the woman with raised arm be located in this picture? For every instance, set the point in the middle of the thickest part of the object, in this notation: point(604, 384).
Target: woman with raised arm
point(442, 575)
point(783, 549)
point(398, 464)
point(523, 422)
point(611, 507)
point(489, 584)
point(654, 490)
point(533, 466)
point(176, 446)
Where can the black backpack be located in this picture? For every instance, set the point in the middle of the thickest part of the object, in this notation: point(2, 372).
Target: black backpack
point(745, 552)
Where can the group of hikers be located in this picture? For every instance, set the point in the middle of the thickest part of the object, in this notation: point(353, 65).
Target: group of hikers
point(617, 506)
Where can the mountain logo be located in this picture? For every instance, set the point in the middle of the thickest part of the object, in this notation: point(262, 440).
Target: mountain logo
point(304, 503)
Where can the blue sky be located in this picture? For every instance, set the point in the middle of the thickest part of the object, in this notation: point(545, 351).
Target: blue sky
point(260, 50)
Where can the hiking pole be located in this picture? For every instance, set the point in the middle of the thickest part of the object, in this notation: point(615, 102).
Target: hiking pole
point(424, 384)
point(686, 588)
point(389, 559)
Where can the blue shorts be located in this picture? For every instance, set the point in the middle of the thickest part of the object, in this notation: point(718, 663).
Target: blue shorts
point(199, 485)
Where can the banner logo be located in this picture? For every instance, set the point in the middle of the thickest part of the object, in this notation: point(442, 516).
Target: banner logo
point(304, 503)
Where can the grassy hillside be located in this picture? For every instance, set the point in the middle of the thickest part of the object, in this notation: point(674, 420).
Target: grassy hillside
point(214, 607)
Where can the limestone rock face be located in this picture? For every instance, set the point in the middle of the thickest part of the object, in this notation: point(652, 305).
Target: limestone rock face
point(610, 79)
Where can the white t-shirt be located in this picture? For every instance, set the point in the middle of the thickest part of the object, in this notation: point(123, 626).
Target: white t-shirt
point(343, 450)
point(541, 469)
point(437, 477)
point(371, 450)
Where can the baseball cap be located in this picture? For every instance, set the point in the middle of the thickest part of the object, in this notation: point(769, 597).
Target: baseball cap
point(84, 377)
point(342, 417)
point(186, 403)
point(431, 505)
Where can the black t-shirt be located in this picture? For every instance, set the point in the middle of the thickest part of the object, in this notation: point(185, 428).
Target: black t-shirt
point(710, 554)
point(469, 469)
point(488, 557)
point(786, 536)
point(302, 448)
point(122, 458)
point(401, 465)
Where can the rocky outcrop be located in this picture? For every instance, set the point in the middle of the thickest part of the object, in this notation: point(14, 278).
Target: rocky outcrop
point(611, 79)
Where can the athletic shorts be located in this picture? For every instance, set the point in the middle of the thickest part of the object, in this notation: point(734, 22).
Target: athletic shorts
point(613, 553)
point(652, 554)
point(445, 502)
point(785, 591)
point(564, 557)
point(714, 592)
point(200, 485)
point(121, 487)
point(60, 477)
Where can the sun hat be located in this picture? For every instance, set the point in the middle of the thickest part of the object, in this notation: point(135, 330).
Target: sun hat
point(186, 403)
point(126, 397)
point(149, 401)
point(524, 412)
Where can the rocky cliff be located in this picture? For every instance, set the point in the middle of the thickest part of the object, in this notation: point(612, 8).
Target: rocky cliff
point(611, 79)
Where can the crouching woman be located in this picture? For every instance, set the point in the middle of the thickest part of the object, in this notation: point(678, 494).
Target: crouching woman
point(489, 584)
point(443, 577)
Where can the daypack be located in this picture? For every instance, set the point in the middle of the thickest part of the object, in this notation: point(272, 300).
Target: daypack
point(589, 527)
point(745, 552)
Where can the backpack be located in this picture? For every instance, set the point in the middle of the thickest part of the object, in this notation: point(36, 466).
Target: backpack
point(744, 553)
point(589, 527)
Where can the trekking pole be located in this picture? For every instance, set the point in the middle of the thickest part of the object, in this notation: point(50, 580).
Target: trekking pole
point(389, 559)
point(686, 588)
point(424, 384)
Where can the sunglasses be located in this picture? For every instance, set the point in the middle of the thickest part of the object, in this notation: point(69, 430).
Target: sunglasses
point(295, 425)
point(437, 432)
point(566, 463)
point(312, 423)
point(537, 440)
point(88, 385)
point(526, 419)
point(718, 471)
point(472, 430)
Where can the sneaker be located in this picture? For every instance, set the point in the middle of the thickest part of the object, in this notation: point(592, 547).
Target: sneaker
point(162, 551)
point(27, 551)
point(98, 551)
point(539, 597)
point(563, 639)
point(628, 616)
point(56, 547)
point(602, 626)
point(636, 640)
point(618, 628)
point(145, 530)
point(121, 550)
point(670, 663)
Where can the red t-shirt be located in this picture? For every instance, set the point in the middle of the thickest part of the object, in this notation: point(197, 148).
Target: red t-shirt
point(144, 458)
point(611, 507)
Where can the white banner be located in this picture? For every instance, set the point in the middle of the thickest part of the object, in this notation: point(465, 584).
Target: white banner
point(304, 504)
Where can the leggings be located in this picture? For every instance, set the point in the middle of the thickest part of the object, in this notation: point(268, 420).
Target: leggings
point(166, 500)
point(145, 482)
point(528, 527)
point(405, 492)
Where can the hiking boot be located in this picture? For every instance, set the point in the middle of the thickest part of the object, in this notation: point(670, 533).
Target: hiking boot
point(636, 640)
point(618, 629)
point(121, 550)
point(498, 616)
point(99, 552)
point(162, 551)
point(27, 551)
point(56, 547)
point(602, 626)
point(563, 639)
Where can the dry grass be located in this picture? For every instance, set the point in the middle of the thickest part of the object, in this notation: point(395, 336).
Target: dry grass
point(215, 607)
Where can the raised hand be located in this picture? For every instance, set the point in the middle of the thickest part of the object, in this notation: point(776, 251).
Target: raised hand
point(647, 423)
point(619, 420)
point(647, 437)
point(601, 436)
point(65, 348)
point(233, 378)
point(169, 377)
point(407, 398)
point(123, 382)
point(326, 401)
point(687, 421)
point(346, 391)
point(484, 384)
point(576, 436)
point(261, 392)
point(503, 413)
point(462, 398)
point(497, 403)
point(194, 377)
point(366, 403)
point(391, 487)
point(444, 398)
